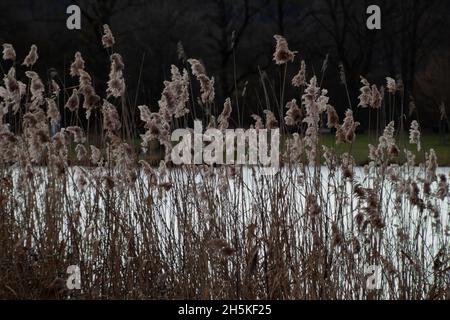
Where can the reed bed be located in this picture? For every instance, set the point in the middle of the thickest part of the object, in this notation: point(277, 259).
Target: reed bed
point(210, 232)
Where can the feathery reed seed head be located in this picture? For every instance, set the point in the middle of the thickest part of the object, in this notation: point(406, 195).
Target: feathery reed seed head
point(282, 53)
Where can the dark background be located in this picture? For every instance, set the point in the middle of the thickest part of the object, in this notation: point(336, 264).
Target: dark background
point(413, 44)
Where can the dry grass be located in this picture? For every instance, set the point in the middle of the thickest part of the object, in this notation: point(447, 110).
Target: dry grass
point(197, 232)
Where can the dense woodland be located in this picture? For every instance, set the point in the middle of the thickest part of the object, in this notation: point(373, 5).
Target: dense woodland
point(234, 40)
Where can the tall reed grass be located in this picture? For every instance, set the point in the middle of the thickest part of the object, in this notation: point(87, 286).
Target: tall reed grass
point(86, 195)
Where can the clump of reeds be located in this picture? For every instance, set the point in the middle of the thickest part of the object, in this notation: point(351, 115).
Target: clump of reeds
point(209, 232)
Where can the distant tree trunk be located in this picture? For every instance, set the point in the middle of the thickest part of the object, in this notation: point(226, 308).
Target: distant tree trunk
point(280, 16)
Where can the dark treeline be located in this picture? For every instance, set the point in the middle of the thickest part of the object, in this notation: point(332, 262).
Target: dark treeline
point(234, 39)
